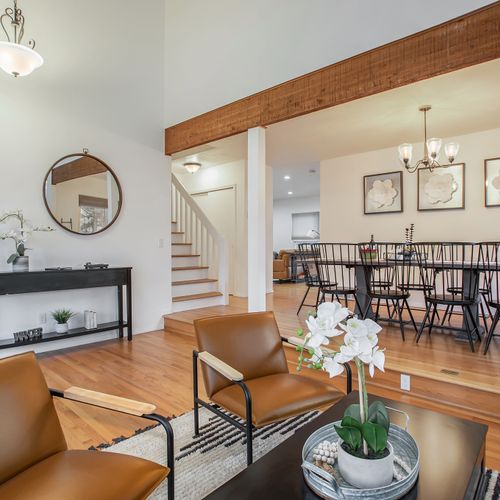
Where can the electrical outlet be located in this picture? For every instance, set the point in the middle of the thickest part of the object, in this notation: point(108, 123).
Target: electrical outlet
point(405, 382)
point(42, 318)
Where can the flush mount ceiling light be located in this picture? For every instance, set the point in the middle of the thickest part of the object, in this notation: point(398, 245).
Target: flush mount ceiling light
point(432, 148)
point(290, 192)
point(17, 59)
point(192, 166)
point(286, 177)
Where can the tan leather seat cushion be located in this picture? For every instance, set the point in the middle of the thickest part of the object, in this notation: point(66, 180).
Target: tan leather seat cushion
point(277, 397)
point(86, 475)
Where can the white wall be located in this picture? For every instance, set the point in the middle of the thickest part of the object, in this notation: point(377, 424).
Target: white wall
point(222, 50)
point(342, 217)
point(228, 174)
point(282, 218)
point(101, 87)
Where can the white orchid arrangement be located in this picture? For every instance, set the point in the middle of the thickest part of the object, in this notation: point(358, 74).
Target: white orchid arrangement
point(21, 235)
point(364, 428)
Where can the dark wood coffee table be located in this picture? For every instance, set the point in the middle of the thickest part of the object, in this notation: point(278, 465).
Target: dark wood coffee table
point(451, 459)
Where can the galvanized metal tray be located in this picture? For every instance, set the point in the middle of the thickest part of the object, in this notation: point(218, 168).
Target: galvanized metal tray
point(331, 485)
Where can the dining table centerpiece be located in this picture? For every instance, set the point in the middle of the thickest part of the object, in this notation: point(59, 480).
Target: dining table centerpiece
point(365, 456)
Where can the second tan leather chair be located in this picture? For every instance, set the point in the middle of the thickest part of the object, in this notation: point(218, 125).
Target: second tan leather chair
point(245, 371)
point(35, 462)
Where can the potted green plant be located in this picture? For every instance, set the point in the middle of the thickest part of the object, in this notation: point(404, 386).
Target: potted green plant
point(19, 259)
point(62, 316)
point(365, 457)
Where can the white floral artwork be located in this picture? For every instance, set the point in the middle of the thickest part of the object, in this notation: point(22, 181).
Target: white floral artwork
point(382, 193)
point(440, 188)
point(492, 182)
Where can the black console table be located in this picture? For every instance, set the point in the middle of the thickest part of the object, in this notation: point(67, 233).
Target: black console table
point(71, 279)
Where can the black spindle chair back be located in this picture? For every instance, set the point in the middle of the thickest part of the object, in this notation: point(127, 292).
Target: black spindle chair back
point(306, 256)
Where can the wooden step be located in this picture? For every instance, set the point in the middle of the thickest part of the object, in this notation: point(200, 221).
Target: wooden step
point(181, 243)
point(193, 282)
point(196, 296)
point(188, 268)
point(177, 232)
point(186, 255)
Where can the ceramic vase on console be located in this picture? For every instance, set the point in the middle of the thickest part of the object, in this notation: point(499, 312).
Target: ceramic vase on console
point(62, 327)
point(21, 264)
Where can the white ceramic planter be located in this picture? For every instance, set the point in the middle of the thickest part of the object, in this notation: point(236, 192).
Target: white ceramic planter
point(21, 264)
point(363, 473)
point(61, 327)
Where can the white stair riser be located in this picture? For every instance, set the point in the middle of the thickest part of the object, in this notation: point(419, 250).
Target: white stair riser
point(185, 261)
point(192, 274)
point(197, 304)
point(181, 249)
point(194, 288)
point(177, 238)
point(174, 226)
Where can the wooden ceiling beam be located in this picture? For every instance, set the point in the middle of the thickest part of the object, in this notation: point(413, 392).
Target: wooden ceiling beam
point(468, 40)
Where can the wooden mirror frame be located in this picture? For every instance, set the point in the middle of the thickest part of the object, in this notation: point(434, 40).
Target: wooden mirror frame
point(108, 168)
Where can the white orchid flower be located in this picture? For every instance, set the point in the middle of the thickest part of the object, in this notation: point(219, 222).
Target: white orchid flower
point(316, 339)
point(377, 361)
point(331, 366)
point(325, 326)
point(356, 327)
point(333, 311)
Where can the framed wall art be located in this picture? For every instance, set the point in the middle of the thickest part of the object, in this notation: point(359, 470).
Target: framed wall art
point(492, 182)
point(383, 193)
point(443, 188)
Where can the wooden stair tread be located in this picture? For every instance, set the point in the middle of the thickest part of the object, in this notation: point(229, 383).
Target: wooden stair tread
point(193, 282)
point(181, 244)
point(186, 255)
point(188, 268)
point(196, 296)
point(177, 232)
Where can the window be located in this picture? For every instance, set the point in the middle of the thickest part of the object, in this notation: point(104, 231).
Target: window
point(93, 213)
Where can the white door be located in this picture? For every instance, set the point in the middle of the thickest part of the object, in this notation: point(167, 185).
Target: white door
point(220, 208)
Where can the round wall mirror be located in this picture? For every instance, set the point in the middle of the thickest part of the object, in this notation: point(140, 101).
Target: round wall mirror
point(82, 194)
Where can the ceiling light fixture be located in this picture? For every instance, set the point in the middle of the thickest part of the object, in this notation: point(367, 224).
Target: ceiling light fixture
point(192, 166)
point(432, 148)
point(286, 177)
point(290, 192)
point(17, 59)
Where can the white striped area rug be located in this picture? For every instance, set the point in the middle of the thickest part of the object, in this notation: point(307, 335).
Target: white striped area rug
point(204, 463)
point(219, 453)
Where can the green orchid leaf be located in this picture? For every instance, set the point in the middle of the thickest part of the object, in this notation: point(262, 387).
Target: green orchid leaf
point(377, 414)
point(300, 332)
point(350, 435)
point(375, 435)
point(348, 421)
point(354, 412)
point(12, 258)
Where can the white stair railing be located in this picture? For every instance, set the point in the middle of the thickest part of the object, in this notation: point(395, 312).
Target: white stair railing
point(199, 231)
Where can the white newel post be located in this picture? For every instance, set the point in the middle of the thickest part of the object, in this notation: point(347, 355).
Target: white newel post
point(256, 171)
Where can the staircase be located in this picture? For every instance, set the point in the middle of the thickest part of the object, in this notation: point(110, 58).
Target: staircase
point(199, 255)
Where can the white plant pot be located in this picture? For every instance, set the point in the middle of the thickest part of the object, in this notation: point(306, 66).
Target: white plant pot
point(61, 327)
point(21, 264)
point(363, 473)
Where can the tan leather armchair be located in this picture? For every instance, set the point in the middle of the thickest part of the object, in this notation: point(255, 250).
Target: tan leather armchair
point(35, 462)
point(281, 266)
point(245, 371)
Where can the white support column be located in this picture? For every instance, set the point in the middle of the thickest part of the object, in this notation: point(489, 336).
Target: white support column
point(256, 171)
point(269, 229)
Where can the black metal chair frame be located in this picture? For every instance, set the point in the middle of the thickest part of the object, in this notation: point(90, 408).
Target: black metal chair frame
point(454, 265)
point(492, 278)
point(247, 428)
point(304, 252)
point(396, 285)
point(336, 275)
point(163, 421)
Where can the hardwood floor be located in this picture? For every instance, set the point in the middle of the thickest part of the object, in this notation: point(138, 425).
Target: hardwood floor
point(156, 368)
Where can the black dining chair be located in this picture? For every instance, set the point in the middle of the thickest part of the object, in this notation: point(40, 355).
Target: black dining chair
point(490, 265)
point(387, 268)
point(335, 263)
point(451, 273)
point(310, 274)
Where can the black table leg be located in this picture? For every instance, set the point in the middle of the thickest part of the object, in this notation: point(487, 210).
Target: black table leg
point(363, 300)
point(470, 284)
point(129, 304)
point(119, 290)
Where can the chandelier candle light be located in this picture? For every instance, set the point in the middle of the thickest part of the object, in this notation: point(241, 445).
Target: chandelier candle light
point(17, 59)
point(432, 148)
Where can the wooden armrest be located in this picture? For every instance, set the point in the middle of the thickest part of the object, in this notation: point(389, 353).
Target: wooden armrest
point(297, 341)
point(219, 365)
point(108, 401)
